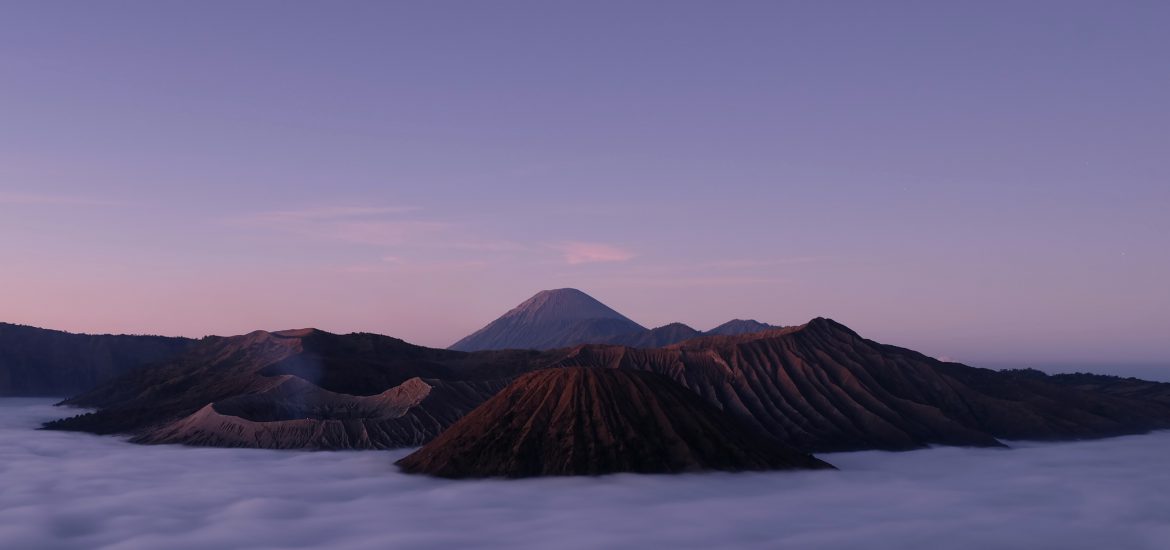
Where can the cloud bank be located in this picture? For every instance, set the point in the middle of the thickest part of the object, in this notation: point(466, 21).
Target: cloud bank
point(65, 491)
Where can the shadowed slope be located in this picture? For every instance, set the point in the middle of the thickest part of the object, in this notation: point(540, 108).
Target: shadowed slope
point(579, 421)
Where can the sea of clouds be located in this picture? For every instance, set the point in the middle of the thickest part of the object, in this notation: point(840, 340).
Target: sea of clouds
point(65, 490)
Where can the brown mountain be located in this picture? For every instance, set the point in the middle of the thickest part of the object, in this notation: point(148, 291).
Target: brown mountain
point(585, 421)
point(817, 387)
point(821, 387)
point(41, 362)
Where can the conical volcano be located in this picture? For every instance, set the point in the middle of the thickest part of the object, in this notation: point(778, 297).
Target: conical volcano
point(736, 327)
point(591, 421)
point(551, 319)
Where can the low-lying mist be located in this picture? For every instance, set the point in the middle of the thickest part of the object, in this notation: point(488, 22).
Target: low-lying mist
point(64, 490)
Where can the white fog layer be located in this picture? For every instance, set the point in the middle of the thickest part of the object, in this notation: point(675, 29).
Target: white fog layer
point(67, 490)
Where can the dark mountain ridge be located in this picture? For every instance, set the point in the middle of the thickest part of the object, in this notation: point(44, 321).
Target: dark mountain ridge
point(656, 337)
point(42, 362)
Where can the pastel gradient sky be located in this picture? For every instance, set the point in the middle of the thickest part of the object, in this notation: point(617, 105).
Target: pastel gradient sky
point(985, 181)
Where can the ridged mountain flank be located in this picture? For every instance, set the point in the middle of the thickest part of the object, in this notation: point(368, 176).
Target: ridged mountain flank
point(587, 421)
point(551, 319)
point(821, 387)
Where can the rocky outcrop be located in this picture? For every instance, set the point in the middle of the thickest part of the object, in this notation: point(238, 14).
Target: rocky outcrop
point(585, 421)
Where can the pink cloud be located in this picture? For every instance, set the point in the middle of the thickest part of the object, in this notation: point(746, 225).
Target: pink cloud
point(67, 200)
point(372, 225)
point(689, 282)
point(379, 232)
point(766, 262)
point(585, 253)
point(423, 267)
point(324, 213)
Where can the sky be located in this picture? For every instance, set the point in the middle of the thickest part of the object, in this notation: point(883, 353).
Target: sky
point(987, 182)
point(66, 490)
